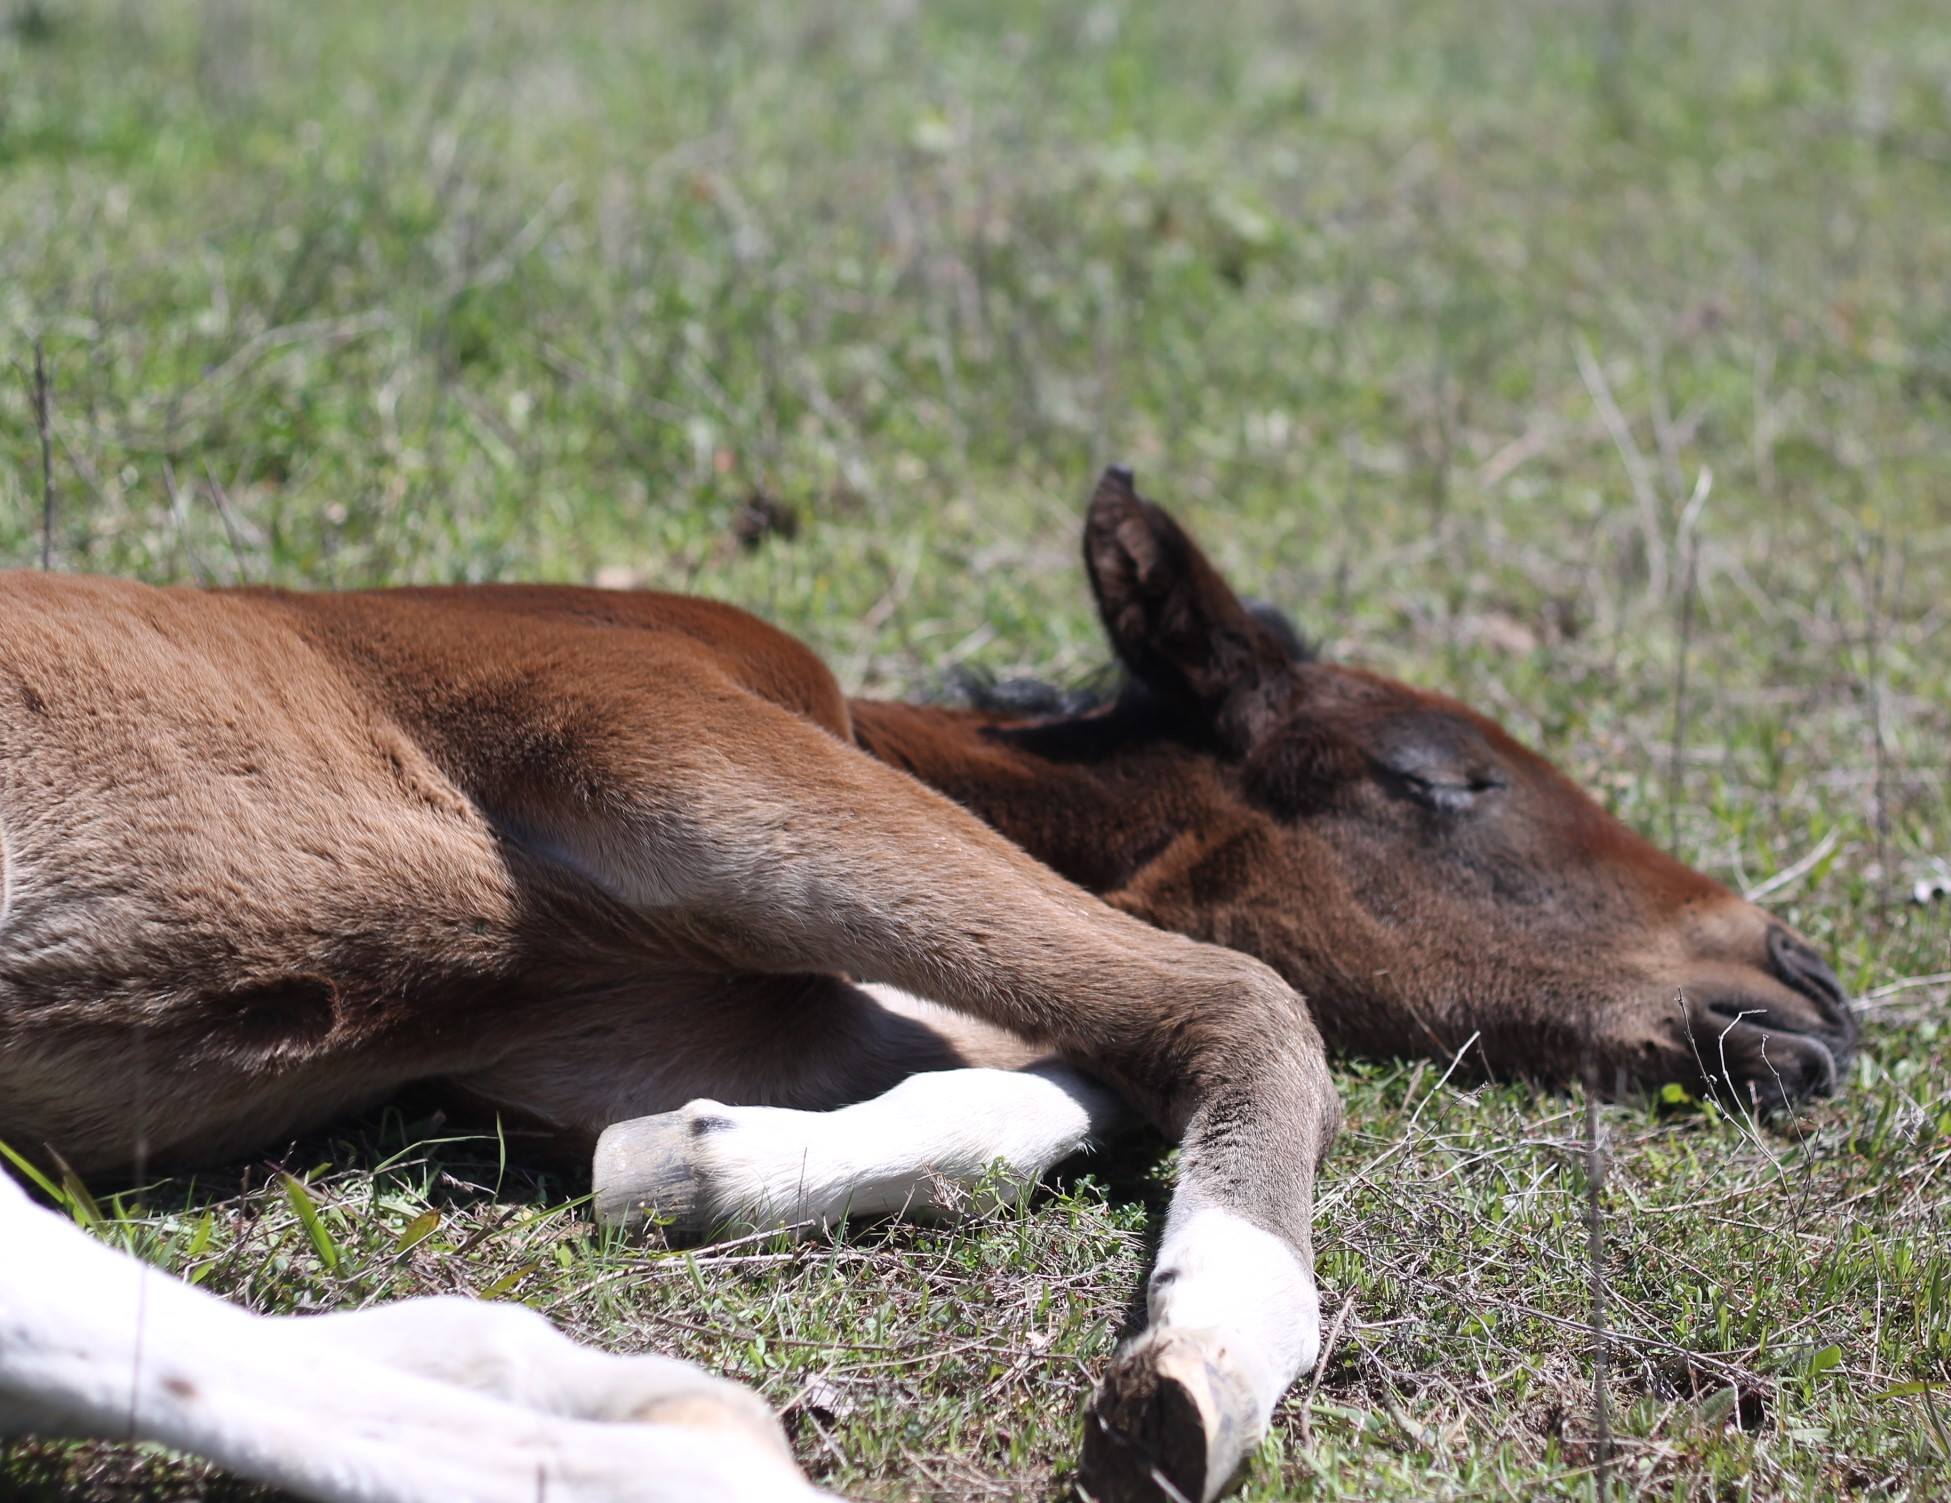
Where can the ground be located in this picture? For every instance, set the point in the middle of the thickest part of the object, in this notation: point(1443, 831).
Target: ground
point(1590, 361)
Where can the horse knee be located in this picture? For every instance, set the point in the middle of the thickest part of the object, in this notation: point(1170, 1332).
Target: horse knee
point(1240, 1033)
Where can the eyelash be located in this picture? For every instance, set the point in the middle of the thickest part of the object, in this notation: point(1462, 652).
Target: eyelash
point(1445, 798)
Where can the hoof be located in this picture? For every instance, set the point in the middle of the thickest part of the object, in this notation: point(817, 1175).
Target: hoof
point(740, 1415)
point(645, 1175)
point(1171, 1422)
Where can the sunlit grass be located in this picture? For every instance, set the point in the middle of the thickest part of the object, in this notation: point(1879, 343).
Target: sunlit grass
point(1431, 321)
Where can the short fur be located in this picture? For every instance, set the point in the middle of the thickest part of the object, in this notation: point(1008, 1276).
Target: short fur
point(590, 855)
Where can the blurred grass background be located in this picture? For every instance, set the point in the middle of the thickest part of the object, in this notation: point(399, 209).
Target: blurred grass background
point(1591, 361)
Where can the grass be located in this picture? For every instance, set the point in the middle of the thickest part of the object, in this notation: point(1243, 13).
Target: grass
point(1591, 361)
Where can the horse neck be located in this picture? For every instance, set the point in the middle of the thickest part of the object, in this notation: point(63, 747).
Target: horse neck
point(1078, 797)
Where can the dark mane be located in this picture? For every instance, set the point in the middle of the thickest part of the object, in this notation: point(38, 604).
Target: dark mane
point(1290, 636)
point(1022, 696)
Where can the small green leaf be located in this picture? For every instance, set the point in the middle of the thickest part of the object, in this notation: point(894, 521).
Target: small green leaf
point(418, 1230)
point(307, 1209)
point(1903, 1390)
point(206, 1228)
point(1830, 1356)
point(46, 1186)
point(508, 1281)
point(81, 1205)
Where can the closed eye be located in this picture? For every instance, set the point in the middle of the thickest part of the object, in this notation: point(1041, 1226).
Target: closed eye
point(1445, 795)
point(1438, 761)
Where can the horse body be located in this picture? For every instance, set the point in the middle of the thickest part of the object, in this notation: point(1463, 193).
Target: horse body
point(632, 865)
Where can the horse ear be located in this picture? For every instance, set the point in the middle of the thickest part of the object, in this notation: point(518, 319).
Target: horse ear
point(1176, 624)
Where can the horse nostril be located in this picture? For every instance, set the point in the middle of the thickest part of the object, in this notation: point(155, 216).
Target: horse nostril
point(1798, 965)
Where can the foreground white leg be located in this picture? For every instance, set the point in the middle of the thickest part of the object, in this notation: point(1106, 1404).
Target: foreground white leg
point(96, 1343)
point(514, 1354)
point(918, 1150)
point(1234, 1320)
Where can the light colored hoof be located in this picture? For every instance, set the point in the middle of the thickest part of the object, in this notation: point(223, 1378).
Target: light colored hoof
point(645, 1174)
point(740, 1415)
point(1173, 1420)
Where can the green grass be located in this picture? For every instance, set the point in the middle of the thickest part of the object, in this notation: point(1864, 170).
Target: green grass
point(1430, 320)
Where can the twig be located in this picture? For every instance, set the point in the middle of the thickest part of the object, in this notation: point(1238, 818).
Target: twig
point(233, 530)
point(1908, 984)
point(1790, 874)
point(487, 1230)
point(1873, 641)
point(1320, 1367)
point(1638, 473)
point(179, 512)
point(43, 406)
point(1595, 1252)
point(1687, 539)
point(1403, 1138)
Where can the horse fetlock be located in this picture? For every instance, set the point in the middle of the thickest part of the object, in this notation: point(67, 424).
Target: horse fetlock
point(1221, 1272)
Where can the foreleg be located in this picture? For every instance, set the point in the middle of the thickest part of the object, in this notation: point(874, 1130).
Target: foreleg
point(779, 848)
point(924, 1149)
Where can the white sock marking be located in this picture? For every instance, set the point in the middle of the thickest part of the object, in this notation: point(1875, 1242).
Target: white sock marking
point(293, 1403)
point(916, 1150)
point(1219, 1272)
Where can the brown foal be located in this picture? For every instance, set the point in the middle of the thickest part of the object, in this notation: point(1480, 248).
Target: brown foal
point(632, 865)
